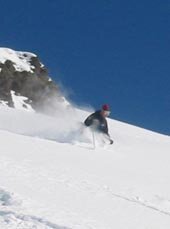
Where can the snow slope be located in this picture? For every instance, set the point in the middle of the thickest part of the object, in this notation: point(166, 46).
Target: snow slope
point(52, 178)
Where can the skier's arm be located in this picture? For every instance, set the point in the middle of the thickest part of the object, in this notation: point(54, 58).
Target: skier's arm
point(89, 120)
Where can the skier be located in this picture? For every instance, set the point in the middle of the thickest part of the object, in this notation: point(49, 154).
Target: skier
point(97, 121)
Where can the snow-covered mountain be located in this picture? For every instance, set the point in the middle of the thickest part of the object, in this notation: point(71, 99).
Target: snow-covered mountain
point(22, 75)
point(51, 177)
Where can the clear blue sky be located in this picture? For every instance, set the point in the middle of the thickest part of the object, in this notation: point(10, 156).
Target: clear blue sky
point(104, 51)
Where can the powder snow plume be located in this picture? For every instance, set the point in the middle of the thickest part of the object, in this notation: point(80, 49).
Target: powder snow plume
point(63, 126)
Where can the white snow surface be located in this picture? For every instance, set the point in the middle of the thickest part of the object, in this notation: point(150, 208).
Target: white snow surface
point(51, 177)
point(20, 59)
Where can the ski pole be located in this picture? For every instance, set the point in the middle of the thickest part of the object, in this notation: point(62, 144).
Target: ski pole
point(93, 137)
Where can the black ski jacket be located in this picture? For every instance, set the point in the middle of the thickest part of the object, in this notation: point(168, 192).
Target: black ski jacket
point(100, 125)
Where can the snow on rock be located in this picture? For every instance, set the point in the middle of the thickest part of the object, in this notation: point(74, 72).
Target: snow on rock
point(3, 103)
point(21, 60)
point(19, 102)
point(24, 75)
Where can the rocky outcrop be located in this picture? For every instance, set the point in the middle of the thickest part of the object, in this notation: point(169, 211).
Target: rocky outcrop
point(24, 74)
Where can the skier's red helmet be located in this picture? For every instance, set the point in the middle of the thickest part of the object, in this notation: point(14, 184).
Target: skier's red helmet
point(105, 107)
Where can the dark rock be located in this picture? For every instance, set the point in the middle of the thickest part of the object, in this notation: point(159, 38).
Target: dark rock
point(35, 84)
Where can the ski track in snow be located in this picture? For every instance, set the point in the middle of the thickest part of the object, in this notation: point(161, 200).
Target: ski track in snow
point(20, 221)
point(13, 219)
point(137, 200)
point(95, 189)
point(65, 175)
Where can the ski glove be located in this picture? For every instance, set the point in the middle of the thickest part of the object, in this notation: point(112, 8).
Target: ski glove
point(111, 141)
